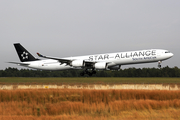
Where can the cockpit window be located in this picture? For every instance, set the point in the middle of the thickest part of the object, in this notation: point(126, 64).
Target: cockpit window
point(167, 52)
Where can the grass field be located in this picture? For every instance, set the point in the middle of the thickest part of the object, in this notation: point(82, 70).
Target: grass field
point(89, 104)
point(70, 104)
point(91, 80)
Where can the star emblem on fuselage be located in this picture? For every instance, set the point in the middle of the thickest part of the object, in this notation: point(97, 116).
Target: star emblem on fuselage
point(24, 55)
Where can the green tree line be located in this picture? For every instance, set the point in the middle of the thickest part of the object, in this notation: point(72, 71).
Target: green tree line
point(130, 72)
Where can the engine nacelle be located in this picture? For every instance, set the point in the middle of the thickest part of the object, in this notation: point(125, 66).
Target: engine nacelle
point(100, 65)
point(117, 67)
point(77, 63)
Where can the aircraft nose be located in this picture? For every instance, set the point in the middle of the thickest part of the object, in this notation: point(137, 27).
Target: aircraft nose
point(171, 54)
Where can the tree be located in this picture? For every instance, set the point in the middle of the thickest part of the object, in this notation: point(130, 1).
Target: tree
point(130, 72)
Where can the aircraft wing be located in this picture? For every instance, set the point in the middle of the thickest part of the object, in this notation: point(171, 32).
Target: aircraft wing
point(67, 61)
point(19, 63)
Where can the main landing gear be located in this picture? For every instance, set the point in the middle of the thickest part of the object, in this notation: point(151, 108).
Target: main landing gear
point(159, 64)
point(88, 72)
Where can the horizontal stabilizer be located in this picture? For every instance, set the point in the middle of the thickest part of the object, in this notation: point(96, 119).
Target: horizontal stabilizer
point(19, 63)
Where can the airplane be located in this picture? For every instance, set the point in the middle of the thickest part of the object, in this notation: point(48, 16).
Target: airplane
point(91, 63)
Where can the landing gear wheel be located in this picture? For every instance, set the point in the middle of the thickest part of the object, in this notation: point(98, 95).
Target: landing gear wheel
point(90, 73)
point(82, 73)
point(159, 64)
point(94, 72)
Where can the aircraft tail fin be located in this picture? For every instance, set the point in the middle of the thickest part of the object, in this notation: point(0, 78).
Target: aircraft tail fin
point(23, 54)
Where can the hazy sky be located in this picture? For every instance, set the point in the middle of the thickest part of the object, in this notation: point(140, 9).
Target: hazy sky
point(63, 28)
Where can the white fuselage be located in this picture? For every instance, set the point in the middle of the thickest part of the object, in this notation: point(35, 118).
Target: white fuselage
point(113, 59)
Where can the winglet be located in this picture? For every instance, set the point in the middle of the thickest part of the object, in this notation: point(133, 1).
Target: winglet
point(40, 55)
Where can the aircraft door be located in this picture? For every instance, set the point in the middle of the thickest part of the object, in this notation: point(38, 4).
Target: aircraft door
point(158, 53)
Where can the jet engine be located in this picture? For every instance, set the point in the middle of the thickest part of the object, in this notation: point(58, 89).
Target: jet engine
point(78, 63)
point(100, 65)
point(116, 67)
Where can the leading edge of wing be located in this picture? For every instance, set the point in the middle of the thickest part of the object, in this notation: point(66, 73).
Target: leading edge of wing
point(63, 60)
point(55, 58)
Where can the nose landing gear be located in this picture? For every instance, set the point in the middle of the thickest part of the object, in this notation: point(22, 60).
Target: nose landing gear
point(159, 64)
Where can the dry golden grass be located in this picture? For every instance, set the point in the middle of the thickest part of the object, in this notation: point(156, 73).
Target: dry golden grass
point(89, 104)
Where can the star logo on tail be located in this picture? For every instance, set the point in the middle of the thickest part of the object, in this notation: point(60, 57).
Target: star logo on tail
point(24, 55)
